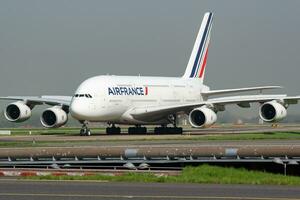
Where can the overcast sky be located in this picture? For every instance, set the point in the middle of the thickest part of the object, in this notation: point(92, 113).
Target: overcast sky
point(50, 47)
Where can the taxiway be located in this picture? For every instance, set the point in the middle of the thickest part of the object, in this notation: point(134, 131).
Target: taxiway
point(22, 189)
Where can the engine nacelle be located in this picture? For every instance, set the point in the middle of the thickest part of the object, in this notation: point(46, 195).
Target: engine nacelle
point(17, 112)
point(202, 117)
point(272, 111)
point(54, 117)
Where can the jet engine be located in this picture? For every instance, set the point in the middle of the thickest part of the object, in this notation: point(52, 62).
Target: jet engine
point(17, 112)
point(202, 117)
point(272, 111)
point(54, 117)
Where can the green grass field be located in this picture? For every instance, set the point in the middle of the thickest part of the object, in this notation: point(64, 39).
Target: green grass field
point(202, 174)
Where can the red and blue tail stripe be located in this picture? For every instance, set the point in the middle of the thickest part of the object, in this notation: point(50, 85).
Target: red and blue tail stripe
point(202, 47)
point(198, 58)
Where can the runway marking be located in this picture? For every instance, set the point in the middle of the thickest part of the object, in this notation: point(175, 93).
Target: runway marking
point(142, 196)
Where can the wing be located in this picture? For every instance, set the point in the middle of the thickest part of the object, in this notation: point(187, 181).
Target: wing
point(240, 100)
point(237, 90)
point(159, 112)
point(37, 100)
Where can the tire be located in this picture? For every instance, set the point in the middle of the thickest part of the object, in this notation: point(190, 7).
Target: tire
point(82, 132)
point(168, 130)
point(88, 132)
point(134, 130)
point(113, 131)
point(131, 130)
point(179, 130)
point(143, 130)
point(158, 130)
point(108, 131)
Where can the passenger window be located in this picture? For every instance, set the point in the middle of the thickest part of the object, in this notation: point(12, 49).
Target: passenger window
point(86, 96)
point(81, 95)
point(76, 95)
point(90, 96)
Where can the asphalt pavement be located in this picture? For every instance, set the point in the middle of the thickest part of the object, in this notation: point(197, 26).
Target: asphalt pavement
point(192, 133)
point(11, 189)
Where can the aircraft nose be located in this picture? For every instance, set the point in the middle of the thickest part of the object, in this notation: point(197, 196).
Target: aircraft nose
point(77, 110)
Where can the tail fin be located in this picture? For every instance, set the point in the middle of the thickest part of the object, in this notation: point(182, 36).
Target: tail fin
point(197, 61)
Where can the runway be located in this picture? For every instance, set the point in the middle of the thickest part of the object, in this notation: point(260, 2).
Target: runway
point(189, 134)
point(38, 190)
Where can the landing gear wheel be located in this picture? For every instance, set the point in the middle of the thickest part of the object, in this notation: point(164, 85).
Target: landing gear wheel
point(113, 130)
point(82, 132)
point(177, 130)
point(167, 130)
point(137, 130)
point(158, 130)
point(88, 132)
point(85, 131)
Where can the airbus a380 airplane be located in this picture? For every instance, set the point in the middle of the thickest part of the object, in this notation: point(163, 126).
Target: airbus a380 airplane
point(138, 101)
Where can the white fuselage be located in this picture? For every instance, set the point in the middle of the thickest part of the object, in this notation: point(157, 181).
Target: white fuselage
point(112, 96)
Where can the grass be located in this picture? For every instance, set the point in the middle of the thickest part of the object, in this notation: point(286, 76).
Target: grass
point(202, 174)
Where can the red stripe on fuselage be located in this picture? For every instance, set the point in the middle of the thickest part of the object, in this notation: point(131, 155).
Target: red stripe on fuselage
point(146, 90)
point(204, 63)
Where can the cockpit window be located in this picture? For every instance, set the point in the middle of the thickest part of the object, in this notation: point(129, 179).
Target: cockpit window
point(83, 95)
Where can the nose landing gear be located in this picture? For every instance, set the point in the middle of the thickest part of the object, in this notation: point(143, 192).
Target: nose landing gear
point(85, 131)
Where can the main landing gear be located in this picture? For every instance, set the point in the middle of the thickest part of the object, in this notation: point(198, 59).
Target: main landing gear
point(85, 131)
point(169, 130)
point(137, 130)
point(113, 130)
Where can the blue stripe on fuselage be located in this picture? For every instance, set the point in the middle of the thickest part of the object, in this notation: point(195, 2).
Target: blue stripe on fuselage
point(200, 47)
